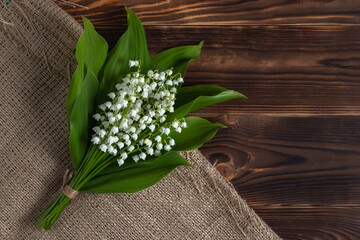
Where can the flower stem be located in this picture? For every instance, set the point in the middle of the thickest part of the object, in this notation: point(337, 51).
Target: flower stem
point(53, 211)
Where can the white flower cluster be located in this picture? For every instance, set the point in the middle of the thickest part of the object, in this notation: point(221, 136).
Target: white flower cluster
point(133, 122)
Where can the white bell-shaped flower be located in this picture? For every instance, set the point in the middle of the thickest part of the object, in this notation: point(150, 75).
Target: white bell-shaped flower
point(138, 109)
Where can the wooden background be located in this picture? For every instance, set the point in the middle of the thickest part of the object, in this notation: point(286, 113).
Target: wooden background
point(293, 149)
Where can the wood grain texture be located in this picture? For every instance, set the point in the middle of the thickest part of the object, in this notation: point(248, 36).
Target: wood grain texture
point(282, 70)
point(313, 223)
point(280, 161)
point(224, 12)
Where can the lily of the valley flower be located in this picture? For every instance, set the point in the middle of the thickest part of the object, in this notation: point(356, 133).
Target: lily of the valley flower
point(132, 123)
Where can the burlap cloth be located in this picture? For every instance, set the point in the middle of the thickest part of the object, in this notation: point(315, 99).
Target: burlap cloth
point(37, 45)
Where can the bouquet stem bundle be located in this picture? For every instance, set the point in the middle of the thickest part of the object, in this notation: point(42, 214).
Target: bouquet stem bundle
point(131, 140)
point(94, 162)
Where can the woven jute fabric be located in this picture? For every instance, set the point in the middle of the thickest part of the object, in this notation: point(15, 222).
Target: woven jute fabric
point(37, 45)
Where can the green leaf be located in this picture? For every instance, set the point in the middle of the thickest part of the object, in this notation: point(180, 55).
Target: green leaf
point(74, 90)
point(178, 57)
point(77, 78)
point(198, 131)
point(95, 48)
point(190, 93)
point(137, 177)
point(131, 46)
point(114, 167)
point(81, 117)
point(192, 98)
point(91, 52)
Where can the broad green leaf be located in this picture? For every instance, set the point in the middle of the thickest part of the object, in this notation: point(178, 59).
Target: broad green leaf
point(95, 48)
point(77, 78)
point(192, 98)
point(114, 167)
point(198, 131)
point(190, 93)
point(131, 46)
point(178, 57)
point(91, 52)
point(74, 90)
point(137, 177)
point(81, 117)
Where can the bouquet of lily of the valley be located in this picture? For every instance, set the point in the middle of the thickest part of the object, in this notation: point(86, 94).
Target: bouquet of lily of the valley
point(127, 115)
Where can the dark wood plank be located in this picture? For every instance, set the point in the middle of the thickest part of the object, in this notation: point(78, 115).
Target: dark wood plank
point(313, 223)
point(225, 12)
point(278, 160)
point(281, 69)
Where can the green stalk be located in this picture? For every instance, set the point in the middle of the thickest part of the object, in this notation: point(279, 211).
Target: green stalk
point(93, 163)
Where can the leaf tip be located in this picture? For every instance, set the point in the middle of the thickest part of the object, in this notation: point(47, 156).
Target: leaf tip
point(243, 96)
point(128, 11)
point(222, 126)
point(217, 126)
point(84, 18)
point(201, 43)
point(87, 23)
point(240, 95)
point(185, 163)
